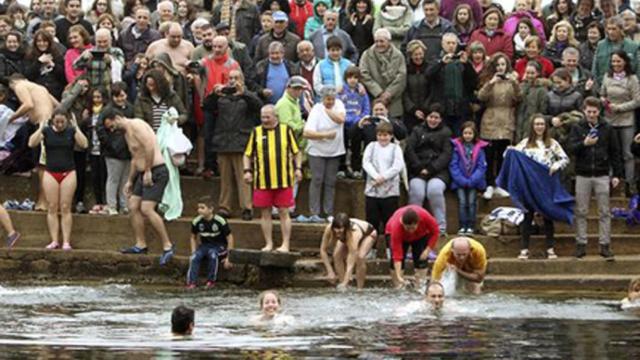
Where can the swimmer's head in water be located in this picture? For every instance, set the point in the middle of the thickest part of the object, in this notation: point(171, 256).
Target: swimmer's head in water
point(410, 221)
point(340, 224)
point(182, 320)
point(461, 249)
point(634, 285)
point(270, 302)
point(435, 295)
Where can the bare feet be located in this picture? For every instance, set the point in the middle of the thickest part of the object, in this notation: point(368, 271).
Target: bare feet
point(282, 249)
point(41, 207)
point(267, 248)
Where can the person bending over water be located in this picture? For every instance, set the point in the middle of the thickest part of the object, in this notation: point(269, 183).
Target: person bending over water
point(435, 295)
point(147, 180)
point(5, 220)
point(633, 296)
point(270, 310)
point(182, 321)
point(467, 258)
point(351, 240)
point(59, 137)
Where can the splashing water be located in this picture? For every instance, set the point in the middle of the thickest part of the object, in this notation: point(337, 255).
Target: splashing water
point(449, 282)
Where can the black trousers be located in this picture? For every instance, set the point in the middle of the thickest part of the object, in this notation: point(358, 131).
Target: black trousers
point(494, 153)
point(99, 178)
point(80, 159)
point(525, 230)
point(379, 211)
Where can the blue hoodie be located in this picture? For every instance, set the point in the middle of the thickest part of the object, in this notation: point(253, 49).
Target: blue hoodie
point(356, 105)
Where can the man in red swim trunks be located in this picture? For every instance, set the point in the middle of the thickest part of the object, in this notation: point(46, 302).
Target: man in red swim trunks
point(411, 226)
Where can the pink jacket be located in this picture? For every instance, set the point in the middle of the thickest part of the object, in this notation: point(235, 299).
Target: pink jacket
point(69, 58)
point(511, 24)
point(499, 42)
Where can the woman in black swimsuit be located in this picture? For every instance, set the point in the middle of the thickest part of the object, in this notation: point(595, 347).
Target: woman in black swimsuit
point(59, 135)
point(351, 240)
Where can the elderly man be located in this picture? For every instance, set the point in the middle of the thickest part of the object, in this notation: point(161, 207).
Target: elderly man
point(73, 16)
point(280, 34)
point(308, 60)
point(613, 41)
point(164, 13)
point(178, 49)
point(239, 53)
point(136, 38)
point(384, 72)
point(246, 22)
point(103, 63)
point(271, 162)
point(329, 28)
point(273, 73)
point(429, 30)
point(582, 79)
point(217, 66)
point(467, 258)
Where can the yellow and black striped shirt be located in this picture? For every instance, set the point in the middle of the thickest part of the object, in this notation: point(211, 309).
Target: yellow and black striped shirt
point(272, 153)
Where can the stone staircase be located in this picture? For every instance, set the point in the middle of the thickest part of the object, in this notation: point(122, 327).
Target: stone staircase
point(109, 233)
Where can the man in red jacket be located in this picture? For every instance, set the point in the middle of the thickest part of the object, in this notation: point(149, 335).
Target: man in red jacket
point(301, 10)
point(411, 226)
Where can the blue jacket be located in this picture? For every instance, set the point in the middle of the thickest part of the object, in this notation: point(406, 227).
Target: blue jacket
point(468, 173)
point(356, 105)
point(530, 186)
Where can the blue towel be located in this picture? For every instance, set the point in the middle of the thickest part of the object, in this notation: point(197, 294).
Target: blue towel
point(530, 186)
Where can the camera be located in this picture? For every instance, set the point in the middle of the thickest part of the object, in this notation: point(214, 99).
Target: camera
point(502, 76)
point(228, 90)
point(455, 56)
point(98, 54)
point(193, 66)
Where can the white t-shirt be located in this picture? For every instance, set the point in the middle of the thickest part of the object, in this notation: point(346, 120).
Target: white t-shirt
point(318, 120)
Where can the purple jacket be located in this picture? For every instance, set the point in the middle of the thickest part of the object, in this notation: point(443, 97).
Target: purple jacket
point(447, 7)
point(511, 24)
point(468, 173)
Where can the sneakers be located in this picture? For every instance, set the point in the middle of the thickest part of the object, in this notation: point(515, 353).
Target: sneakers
point(134, 250)
point(111, 211)
point(524, 254)
point(247, 215)
point(462, 231)
point(488, 194)
point(301, 219)
point(581, 251)
point(12, 239)
point(167, 255)
point(80, 208)
point(469, 231)
point(316, 219)
point(190, 286)
point(551, 254)
point(224, 213)
point(66, 247)
point(210, 284)
point(341, 175)
point(500, 192)
point(606, 253)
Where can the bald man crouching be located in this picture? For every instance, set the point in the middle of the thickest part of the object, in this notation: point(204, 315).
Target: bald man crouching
point(467, 258)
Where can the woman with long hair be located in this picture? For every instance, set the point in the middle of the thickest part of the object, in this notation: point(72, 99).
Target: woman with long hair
point(500, 93)
point(45, 65)
point(351, 240)
point(621, 94)
point(540, 147)
point(395, 16)
point(561, 11)
point(59, 135)
point(359, 24)
point(562, 36)
point(155, 99)
point(98, 8)
point(12, 55)
point(185, 15)
point(79, 41)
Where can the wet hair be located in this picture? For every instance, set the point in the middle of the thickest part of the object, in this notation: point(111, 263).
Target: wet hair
point(342, 220)
point(434, 283)
point(384, 127)
point(182, 318)
point(334, 42)
point(591, 101)
point(410, 217)
point(206, 200)
point(546, 136)
point(267, 292)
point(633, 284)
point(352, 71)
point(627, 62)
point(469, 125)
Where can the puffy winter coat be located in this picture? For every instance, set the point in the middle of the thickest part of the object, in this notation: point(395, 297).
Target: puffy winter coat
point(430, 149)
point(465, 172)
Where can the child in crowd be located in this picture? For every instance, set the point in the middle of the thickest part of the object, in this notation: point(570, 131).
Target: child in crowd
point(383, 162)
point(633, 295)
point(96, 159)
point(330, 71)
point(463, 23)
point(270, 310)
point(525, 29)
point(215, 241)
point(468, 166)
point(133, 76)
point(356, 103)
point(534, 98)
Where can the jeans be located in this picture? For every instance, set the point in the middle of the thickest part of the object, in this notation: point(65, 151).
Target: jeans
point(323, 182)
point(433, 190)
point(467, 208)
point(214, 253)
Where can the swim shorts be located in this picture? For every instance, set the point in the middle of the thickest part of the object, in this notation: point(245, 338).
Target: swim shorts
point(160, 177)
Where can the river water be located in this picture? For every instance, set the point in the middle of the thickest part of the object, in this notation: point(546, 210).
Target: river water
point(123, 321)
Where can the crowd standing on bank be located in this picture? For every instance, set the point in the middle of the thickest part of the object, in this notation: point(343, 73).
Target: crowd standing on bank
point(430, 96)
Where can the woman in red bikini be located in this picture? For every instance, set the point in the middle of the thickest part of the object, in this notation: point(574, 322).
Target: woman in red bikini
point(59, 136)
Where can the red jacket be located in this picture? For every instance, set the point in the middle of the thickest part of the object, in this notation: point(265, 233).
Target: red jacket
point(547, 66)
point(217, 71)
point(299, 15)
point(499, 42)
point(427, 227)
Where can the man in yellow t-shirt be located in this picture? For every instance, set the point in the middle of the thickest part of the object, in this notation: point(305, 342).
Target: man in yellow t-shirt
point(467, 258)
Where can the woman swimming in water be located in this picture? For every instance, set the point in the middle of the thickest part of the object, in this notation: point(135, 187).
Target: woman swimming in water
point(351, 240)
point(633, 296)
point(270, 310)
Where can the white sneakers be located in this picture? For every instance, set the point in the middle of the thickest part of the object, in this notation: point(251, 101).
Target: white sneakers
point(524, 254)
point(497, 191)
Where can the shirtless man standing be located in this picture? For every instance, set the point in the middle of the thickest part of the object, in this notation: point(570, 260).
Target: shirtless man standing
point(147, 180)
point(30, 94)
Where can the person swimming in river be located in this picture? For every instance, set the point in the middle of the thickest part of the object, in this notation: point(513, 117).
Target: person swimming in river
point(435, 295)
point(633, 295)
point(351, 240)
point(182, 321)
point(271, 310)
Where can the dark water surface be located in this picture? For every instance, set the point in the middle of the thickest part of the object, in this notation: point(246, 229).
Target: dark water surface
point(122, 321)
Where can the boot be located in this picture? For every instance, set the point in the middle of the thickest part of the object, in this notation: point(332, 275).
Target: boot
point(606, 253)
point(581, 251)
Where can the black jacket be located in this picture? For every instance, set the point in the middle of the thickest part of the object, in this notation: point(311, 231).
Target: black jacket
point(113, 144)
point(53, 80)
point(261, 74)
point(417, 94)
point(599, 159)
point(235, 117)
point(429, 149)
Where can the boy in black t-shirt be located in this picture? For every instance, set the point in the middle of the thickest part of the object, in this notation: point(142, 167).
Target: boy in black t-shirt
point(215, 241)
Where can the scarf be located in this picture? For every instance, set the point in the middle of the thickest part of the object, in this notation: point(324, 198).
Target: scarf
point(385, 65)
point(619, 75)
